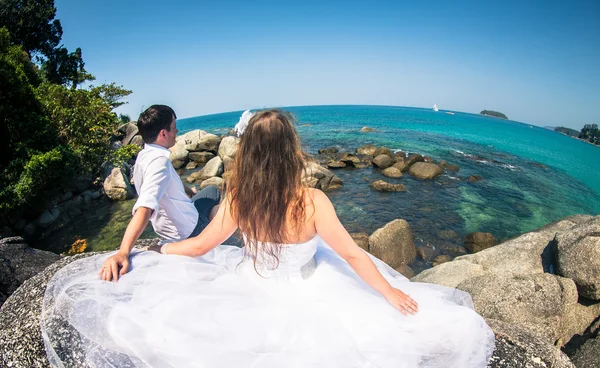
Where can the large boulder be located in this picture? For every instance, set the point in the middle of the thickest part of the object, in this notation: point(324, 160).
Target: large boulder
point(425, 170)
point(394, 244)
point(21, 344)
point(479, 241)
point(384, 186)
point(228, 147)
point(349, 159)
point(129, 130)
point(19, 262)
point(382, 151)
point(316, 176)
point(179, 155)
point(208, 142)
point(361, 239)
point(517, 347)
point(216, 181)
point(191, 140)
point(117, 186)
point(588, 355)
point(537, 302)
point(579, 257)
point(413, 158)
point(383, 161)
point(213, 168)
point(392, 172)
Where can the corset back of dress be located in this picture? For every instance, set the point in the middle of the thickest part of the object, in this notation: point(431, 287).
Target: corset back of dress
point(296, 261)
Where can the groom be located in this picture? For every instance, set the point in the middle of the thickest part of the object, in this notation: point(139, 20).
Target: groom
point(163, 198)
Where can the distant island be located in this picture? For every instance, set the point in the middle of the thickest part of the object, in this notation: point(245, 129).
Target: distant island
point(493, 113)
point(567, 131)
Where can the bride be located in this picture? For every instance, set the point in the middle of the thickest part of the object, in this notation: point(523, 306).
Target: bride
point(300, 293)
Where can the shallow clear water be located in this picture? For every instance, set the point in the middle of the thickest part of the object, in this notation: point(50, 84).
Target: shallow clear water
point(532, 176)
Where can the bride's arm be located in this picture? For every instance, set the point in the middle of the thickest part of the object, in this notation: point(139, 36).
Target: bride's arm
point(216, 232)
point(331, 230)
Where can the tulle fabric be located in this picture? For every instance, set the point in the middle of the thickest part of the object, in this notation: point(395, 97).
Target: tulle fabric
point(217, 311)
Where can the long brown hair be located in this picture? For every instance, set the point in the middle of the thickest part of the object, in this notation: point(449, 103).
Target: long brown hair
point(265, 188)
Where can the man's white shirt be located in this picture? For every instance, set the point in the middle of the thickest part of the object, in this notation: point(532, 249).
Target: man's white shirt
point(159, 188)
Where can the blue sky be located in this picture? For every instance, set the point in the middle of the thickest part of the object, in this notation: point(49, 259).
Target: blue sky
point(536, 61)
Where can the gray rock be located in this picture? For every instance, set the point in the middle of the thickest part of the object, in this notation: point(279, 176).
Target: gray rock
point(117, 186)
point(316, 176)
point(450, 274)
point(213, 168)
point(228, 147)
point(406, 271)
point(577, 319)
point(588, 355)
point(401, 165)
point(208, 142)
point(191, 165)
point(216, 181)
point(130, 130)
point(520, 348)
point(579, 257)
point(383, 161)
point(536, 302)
point(393, 243)
point(179, 155)
point(442, 258)
point(335, 165)
point(191, 139)
point(21, 344)
point(48, 217)
point(411, 159)
point(138, 141)
point(383, 186)
point(361, 239)
point(426, 253)
point(382, 151)
point(479, 241)
point(424, 170)
point(19, 262)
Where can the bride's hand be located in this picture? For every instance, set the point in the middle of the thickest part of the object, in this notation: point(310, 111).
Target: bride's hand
point(401, 301)
point(110, 268)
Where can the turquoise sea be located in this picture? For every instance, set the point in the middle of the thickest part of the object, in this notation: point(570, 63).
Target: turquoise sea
point(532, 175)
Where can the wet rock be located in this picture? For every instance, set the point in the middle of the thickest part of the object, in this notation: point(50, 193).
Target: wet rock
point(425, 171)
point(367, 149)
point(411, 159)
point(201, 157)
point(328, 151)
point(452, 167)
point(382, 151)
point(392, 172)
point(48, 217)
point(349, 159)
point(401, 165)
point(442, 258)
point(336, 164)
point(448, 234)
point(474, 178)
point(393, 244)
point(426, 253)
point(382, 161)
point(228, 147)
point(383, 186)
point(579, 257)
point(367, 129)
point(479, 241)
point(428, 159)
point(117, 186)
point(361, 239)
point(398, 156)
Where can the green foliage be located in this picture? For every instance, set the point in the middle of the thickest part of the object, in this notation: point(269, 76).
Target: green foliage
point(66, 68)
point(24, 127)
point(31, 24)
point(124, 154)
point(567, 131)
point(124, 118)
point(83, 119)
point(493, 113)
point(34, 180)
point(590, 133)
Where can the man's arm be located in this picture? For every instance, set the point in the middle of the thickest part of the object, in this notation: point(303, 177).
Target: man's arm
point(110, 268)
point(190, 192)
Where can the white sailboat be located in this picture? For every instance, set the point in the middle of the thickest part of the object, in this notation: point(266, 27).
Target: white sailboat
point(435, 108)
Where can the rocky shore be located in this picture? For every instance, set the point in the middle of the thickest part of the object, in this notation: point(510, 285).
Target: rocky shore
point(538, 292)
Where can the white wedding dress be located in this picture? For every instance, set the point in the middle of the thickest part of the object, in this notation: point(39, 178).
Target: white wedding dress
point(217, 311)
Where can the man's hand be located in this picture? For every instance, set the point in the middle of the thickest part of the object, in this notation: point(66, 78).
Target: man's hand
point(110, 269)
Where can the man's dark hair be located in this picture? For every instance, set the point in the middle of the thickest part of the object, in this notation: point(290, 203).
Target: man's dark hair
point(153, 120)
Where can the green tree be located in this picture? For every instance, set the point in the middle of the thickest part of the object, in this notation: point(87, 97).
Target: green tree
point(124, 118)
point(66, 68)
point(591, 133)
point(31, 24)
